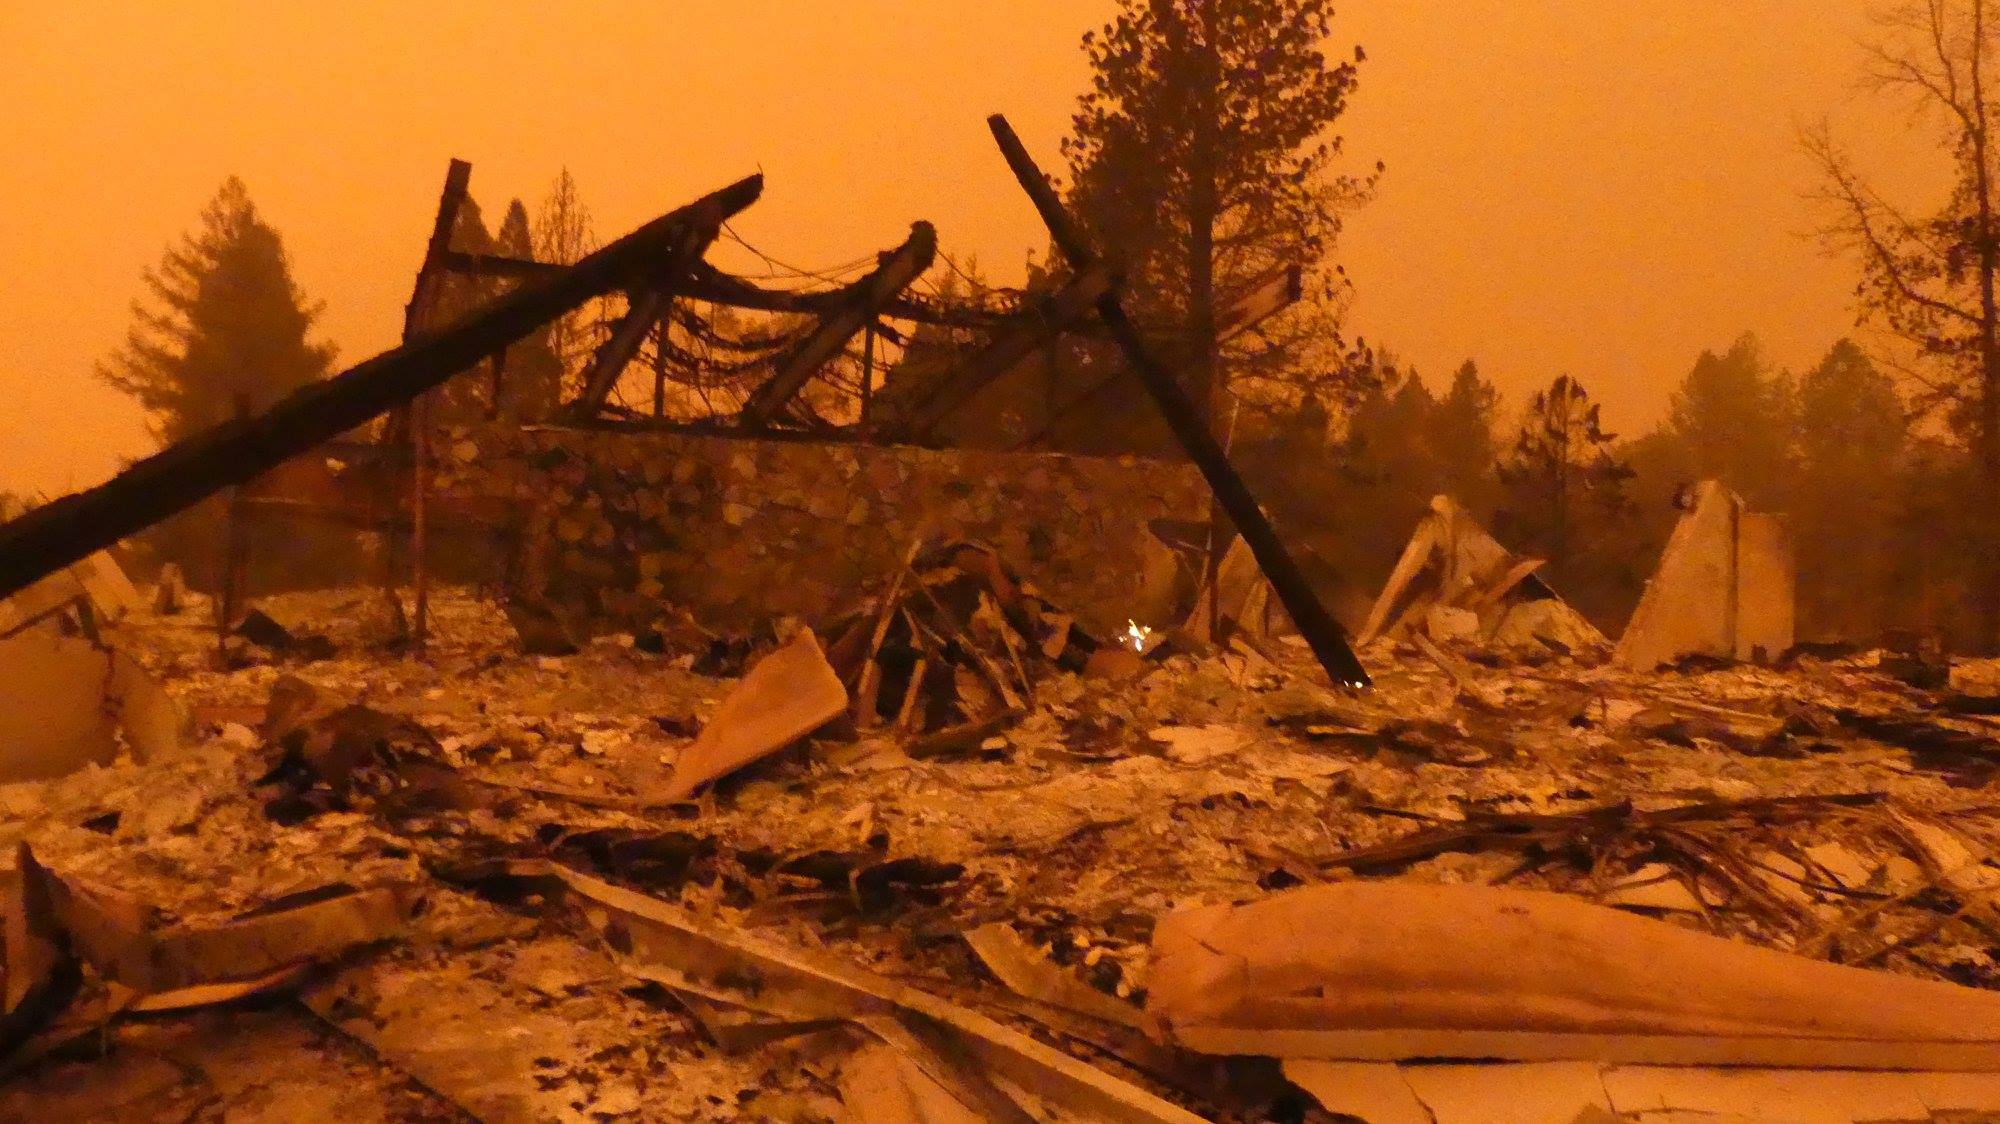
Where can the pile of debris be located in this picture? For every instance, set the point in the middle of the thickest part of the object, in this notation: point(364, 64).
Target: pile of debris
point(953, 646)
point(1114, 884)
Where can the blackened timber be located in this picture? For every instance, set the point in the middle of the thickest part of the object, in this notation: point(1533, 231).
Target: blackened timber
point(712, 285)
point(643, 310)
point(1322, 633)
point(70, 529)
point(498, 265)
point(1270, 294)
point(457, 178)
point(416, 318)
point(894, 273)
point(1076, 299)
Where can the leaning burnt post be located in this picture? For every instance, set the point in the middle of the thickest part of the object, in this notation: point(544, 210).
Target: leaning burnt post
point(182, 475)
point(1321, 631)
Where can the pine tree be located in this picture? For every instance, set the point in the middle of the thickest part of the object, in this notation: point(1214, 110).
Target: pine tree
point(1385, 473)
point(1845, 500)
point(1460, 438)
point(228, 332)
point(1733, 416)
point(563, 235)
point(532, 379)
point(1565, 484)
point(1203, 156)
point(225, 335)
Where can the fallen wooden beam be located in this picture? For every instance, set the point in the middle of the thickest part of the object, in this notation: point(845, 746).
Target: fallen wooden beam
point(1322, 633)
point(62, 532)
point(895, 273)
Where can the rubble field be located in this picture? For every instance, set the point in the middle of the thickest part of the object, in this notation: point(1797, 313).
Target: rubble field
point(1009, 859)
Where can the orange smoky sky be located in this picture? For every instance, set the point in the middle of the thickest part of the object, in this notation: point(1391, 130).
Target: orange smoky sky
point(1600, 187)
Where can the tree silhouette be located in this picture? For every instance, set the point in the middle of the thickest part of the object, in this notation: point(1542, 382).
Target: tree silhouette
point(227, 327)
point(1203, 157)
point(1734, 418)
point(1933, 280)
point(225, 334)
point(1564, 482)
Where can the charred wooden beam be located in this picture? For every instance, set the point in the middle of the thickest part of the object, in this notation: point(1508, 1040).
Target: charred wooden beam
point(1075, 300)
point(712, 285)
point(457, 178)
point(896, 270)
point(1322, 633)
point(643, 311)
point(69, 529)
point(1264, 298)
point(497, 265)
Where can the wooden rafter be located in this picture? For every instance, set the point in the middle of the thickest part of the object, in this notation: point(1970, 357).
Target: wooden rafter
point(1063, 309)
point(644, 307)
point(896, 271)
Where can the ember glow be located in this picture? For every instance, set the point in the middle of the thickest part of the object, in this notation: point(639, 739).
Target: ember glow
point(1137, 635)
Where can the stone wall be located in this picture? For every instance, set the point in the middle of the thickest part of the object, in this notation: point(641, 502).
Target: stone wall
point(739, 530)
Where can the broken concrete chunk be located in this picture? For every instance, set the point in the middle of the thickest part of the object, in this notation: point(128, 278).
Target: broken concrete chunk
point(1724, 588)
point(787, 695)
point(1376, 971)
point(1374, 1092)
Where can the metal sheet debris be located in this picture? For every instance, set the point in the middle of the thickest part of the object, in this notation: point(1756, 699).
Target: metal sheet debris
point(1379, 971)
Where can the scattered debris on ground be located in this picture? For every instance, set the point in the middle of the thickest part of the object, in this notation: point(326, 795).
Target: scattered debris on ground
point(706, 898)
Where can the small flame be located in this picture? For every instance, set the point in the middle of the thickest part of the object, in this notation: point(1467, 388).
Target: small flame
point(1137, 635)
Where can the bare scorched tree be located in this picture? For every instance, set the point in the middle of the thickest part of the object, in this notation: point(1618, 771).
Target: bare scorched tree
point(1931, 280)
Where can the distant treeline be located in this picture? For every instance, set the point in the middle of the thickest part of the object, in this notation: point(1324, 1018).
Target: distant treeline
point(1877, 507)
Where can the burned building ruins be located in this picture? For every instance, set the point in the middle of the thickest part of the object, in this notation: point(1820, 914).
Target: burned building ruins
point(814, 713)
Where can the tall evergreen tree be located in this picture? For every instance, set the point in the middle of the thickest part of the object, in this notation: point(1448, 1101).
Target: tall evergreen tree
point(1384, 473)
point(532, 382)
point(1733, 416)
point(1846, 497)
point(227, 330)
point(1565, 483)
point(225, 334)
point(1202, 156)
point(564, 234)
point(1460, 437)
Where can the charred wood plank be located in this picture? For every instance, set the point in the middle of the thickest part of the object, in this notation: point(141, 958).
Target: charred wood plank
point(895, 272)
point(72, 528)
point(497, 265)
point(1322, 633)
point(644, 310)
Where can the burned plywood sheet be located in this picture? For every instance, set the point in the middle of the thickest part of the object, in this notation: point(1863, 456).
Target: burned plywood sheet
point(1724, 587)
point(1381, 971)
point(1455, 581)
point(787, 695)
